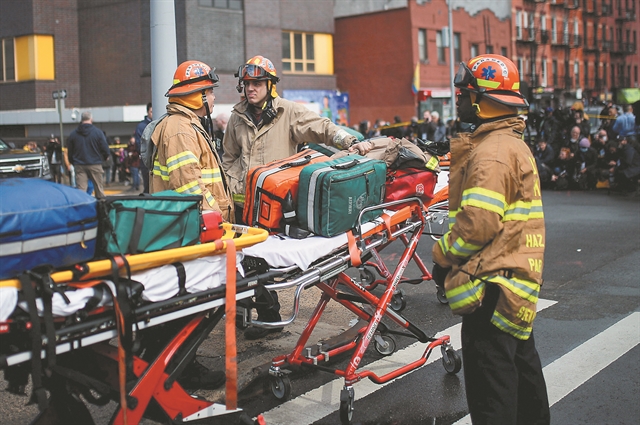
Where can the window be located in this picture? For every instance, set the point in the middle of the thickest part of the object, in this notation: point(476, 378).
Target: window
point(519, 25)
point(543, 22)
point(543, 80)
point(635, 75)
point(222, 4)
point(440, 47)
point(457, 55)
point(503, 52)
point(604, 74)
point(7, 66)
point(307, 53)
point(489, 49)
point(554, 72)
point(28, 57)
point(554, 30)
point(475, 50)
point(422, 45)
point(576, 72)
point(520, 67)
point(586, 74)
point(613, 75)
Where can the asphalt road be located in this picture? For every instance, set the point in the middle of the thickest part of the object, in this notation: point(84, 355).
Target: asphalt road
point(587, 340)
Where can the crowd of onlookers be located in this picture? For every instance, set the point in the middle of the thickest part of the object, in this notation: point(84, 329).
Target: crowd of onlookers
point(570, 156)
point(570, 153)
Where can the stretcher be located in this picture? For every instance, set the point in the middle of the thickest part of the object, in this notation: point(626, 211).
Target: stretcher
point(83, 362)
point(328, 273)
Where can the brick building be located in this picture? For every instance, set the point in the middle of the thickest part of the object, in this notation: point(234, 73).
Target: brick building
point(99, 52)
point(564, 49)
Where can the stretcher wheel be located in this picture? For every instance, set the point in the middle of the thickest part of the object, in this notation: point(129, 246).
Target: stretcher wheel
point(442, 297)
point(387, 347)
point(281, 387)
point(367, 278)
point(450, 360)
point(346, 406)
point(398, 303)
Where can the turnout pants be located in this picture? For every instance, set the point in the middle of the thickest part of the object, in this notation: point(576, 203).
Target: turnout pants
point(503, 375)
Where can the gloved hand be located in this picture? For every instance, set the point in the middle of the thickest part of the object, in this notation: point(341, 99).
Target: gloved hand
point(439, 274)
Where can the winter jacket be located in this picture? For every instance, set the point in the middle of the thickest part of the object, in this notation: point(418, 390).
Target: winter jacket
point(496, 224)
point(247, 146)
point(186, 161)
point(87, 145)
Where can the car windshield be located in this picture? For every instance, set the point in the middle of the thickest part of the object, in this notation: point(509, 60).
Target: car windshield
point(3, 145)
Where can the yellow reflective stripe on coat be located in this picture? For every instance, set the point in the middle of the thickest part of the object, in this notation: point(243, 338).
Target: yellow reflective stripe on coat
point(183, 158)
point(432, 163)
point(160, 171)
point(210, 199)
point(211, 175)
point(465, 295)
point(452, 218)
point(523, 211)
point(191, 187)
point(238, 197)
point(485, 199)
point(523, 288)
point(505, 325)
point(444, 243)
point(460, 248)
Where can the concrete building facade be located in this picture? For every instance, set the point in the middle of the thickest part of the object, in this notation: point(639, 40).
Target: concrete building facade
point(99, 52)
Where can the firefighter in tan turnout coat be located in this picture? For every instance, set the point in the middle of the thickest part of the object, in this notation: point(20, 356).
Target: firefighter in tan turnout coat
point(492, 256)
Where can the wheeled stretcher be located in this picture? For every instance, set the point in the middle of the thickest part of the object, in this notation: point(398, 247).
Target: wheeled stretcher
point(199, 287)
point(359, 247)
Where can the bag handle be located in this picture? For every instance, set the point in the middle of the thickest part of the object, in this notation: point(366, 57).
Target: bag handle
point(346, 165)
point(302, 161)
point(137, 231)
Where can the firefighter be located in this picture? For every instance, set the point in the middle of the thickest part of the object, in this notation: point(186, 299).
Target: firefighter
point(492, 256)
point(264, 127)
point(186, 160)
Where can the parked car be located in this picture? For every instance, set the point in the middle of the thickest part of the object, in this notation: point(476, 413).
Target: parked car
point(21, 163)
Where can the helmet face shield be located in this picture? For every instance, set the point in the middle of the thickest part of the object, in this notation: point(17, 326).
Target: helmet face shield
point(465, 78)
point(254, 72)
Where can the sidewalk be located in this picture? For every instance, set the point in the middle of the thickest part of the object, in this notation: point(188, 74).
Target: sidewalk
point(254, 357)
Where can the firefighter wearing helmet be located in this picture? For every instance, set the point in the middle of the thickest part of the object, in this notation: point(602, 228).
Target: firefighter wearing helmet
point(184, 161)
point(490, 262)
point(262, 128)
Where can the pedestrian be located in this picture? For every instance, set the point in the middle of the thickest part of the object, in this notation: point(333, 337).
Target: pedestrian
point(54, 155)
point(88, 148)
point(440, 130)
point(138, 135)
point(221, 122)
point(132, 164)
point(492, 256)
point(625, 125)
point(426, 129)
point(262, 128)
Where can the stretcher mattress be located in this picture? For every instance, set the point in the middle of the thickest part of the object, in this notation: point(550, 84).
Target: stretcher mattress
point(283, 251)
point(160, 283)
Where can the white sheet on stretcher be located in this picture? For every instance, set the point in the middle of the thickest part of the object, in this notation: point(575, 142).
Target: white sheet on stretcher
point(160, 283)
point(283, 251)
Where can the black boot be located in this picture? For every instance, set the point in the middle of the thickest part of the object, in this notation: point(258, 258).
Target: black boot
point(268, 309)
point(196, 376)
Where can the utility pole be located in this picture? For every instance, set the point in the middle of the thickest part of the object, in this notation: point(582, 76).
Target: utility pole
point(59, 96)
point(451, 68)
point(164, 57)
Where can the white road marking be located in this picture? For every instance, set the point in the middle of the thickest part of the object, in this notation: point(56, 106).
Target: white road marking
point(324, 400)
point(582, 363)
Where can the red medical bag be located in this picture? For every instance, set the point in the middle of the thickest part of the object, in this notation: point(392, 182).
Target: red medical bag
point(408, 182)
point(211, 226)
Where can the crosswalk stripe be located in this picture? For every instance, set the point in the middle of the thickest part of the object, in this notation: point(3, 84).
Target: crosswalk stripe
point(582, 363)
point(324, 400)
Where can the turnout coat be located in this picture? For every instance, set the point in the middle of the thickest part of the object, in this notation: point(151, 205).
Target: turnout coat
point(496, 223)
point(247, 146)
